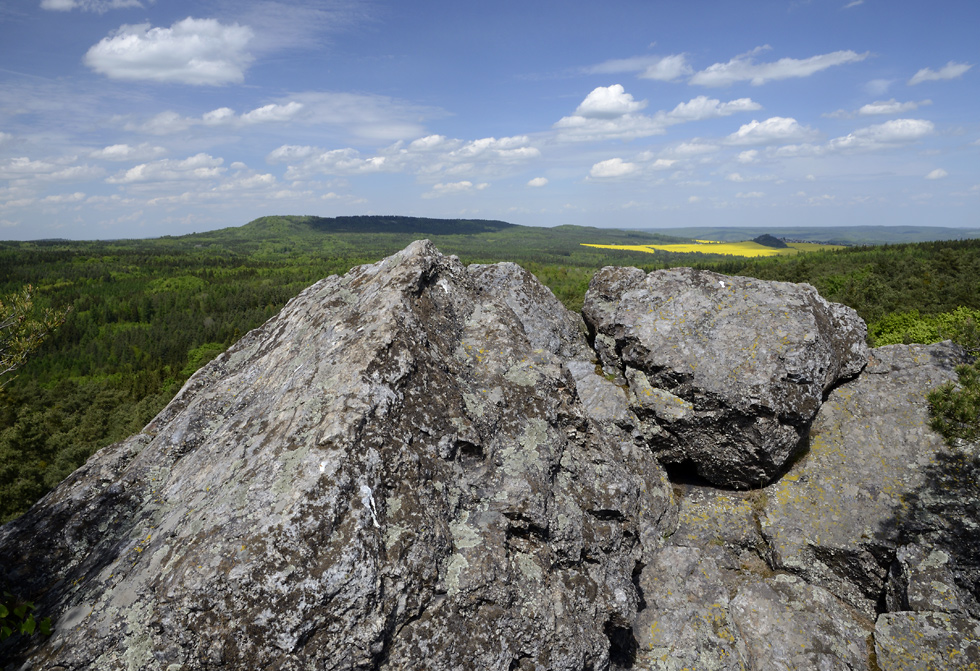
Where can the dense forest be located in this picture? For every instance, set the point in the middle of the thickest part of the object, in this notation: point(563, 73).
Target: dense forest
point(145, 314)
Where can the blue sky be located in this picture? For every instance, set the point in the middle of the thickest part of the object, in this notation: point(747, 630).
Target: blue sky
point(140, 118)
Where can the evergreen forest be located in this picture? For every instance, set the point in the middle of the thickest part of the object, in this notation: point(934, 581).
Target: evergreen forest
point(143, 315)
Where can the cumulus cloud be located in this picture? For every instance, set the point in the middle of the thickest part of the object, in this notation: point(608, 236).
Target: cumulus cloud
point(273, 113)
point(608, 102)
point(891, 107)
point(938, 173)
point(660, 68)
point(424, 156)
point(748, 156)
point(76, 197)
point(454, 187)
point(58, 170)
point(774, 130)
point(744, 68)
point(99, 6)
point(703, 107)
point(197, 167)
point(608, 112)
point(890, 133)
point(612, 168)
point(750, 194)
point(125, 152)
point(191, 51)
point(951, 70)
point(538, 182)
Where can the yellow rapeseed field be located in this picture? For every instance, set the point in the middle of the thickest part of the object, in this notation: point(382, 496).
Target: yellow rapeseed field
point(747, 248)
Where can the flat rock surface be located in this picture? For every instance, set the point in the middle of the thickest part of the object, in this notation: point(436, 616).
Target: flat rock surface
point(838, 517)
point(910, 641)
point(396, 468)
point(726, 373)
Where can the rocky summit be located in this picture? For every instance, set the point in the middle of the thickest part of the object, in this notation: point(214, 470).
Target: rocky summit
point(422, 465)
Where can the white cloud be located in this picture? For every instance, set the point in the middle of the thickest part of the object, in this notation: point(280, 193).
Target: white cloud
point(454, 187)
point(197, 167)
point(703, 107)
point(660, 68)
point(273, 113)
point(191, 51)
point(608, 102)
point(611, 113)
point(58, 170)
point(735, 177)
point(750, 194)
point(614, 167)
point(76, 197)
point(854, 3)
point(938, 173)
point(773, 130)
point(5, 138)
point(890, 133)
point(694, 148)
point(951, 70)
point(663, 163)
point(99, 6)
point(538, 182)
point(748, 156)
point(744, 68)
point(216, 117)
point(125, 152)
point(891, 107)
point(164, 123)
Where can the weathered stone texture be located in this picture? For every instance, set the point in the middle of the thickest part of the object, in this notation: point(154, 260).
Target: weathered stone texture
point(725, 373)
point(838, 516)
point(927, 642)
point(395, 472)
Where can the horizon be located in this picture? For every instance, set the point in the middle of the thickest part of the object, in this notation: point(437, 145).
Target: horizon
point(154, 119)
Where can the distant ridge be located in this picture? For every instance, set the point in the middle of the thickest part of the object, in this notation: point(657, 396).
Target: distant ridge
point(392, 224)
point(831, 235)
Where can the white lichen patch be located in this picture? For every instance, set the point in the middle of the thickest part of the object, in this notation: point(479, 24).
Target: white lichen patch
point(464, 536)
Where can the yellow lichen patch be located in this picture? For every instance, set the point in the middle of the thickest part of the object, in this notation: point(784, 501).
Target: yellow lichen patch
point(747, 248)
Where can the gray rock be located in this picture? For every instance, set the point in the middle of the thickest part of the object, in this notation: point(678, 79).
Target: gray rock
point(786, 623)
point(700, 616)
point(838, 517)
point(927, 642)
point(923, 579)
point(725, 373)
point(398, 470)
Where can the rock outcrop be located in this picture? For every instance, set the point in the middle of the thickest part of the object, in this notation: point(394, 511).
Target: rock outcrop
point(725, 373)
point(423, 465)
point(395, 472)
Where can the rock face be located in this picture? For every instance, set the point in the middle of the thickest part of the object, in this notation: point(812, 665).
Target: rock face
point(396, 472)
point(424, 466)
point(725, 373)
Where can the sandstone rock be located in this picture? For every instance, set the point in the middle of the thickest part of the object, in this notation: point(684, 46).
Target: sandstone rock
point(396, 471)
point(838, 517)
point(927, 642)
point(725, 373)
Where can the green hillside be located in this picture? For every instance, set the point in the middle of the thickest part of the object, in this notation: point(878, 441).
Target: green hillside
point(145, 314)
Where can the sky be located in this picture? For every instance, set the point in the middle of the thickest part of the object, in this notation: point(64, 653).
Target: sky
point(142, 118)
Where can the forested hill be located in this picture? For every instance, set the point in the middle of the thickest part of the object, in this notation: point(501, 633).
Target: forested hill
point(145, 314)
point(371, 224)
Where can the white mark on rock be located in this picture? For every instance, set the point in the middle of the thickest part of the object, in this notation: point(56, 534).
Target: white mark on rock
point(721, 284)
point(323, 466)
point(445, 287)
point(367, 498)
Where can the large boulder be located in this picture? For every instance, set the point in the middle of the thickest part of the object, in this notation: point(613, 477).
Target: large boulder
point(398, 470)
point(724, 373)
point(840, 515)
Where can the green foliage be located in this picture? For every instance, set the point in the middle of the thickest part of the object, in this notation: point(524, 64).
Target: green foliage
point(147, 313)
point(959, 325)
point(17, 617)
point(955, 408)
point(23, 327)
